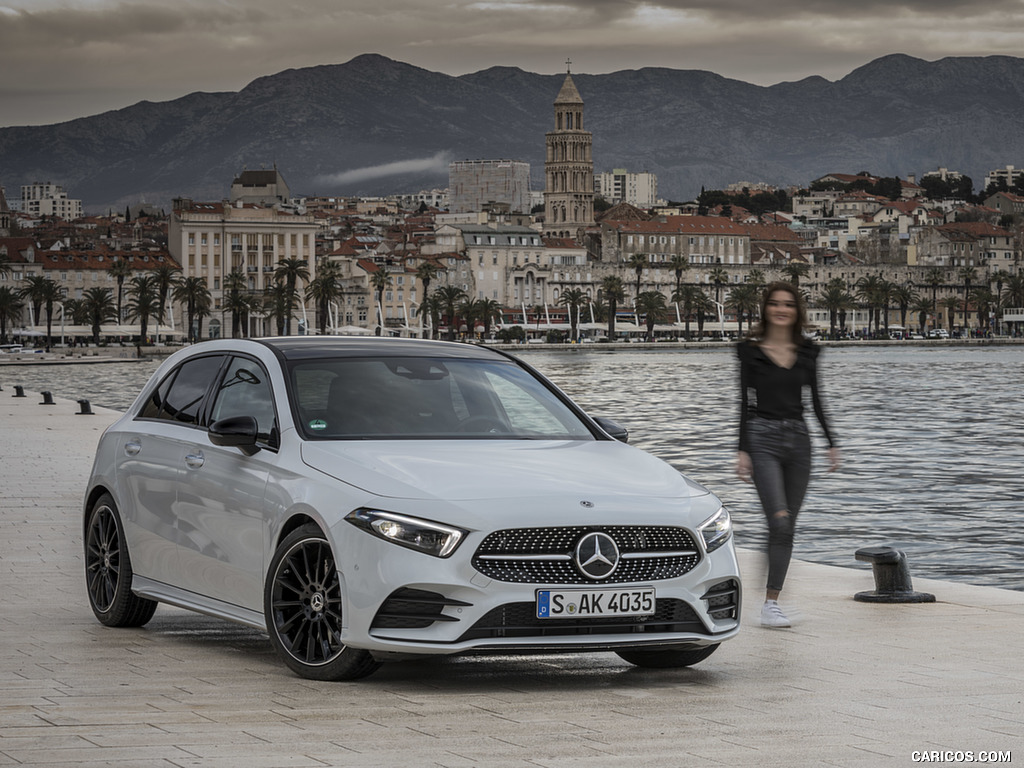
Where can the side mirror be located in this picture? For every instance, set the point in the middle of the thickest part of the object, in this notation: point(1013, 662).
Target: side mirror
point(236, 432)
point(617, 431)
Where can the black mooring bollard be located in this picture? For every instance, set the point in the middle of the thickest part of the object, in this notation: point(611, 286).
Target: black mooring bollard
point(19, 391)
point(892, 577)
point(86, 408)
point(47, 398)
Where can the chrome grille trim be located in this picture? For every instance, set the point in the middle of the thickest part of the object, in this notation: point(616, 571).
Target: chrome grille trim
point(544, 555)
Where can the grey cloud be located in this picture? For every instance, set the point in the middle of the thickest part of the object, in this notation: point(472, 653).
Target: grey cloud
point(434, 164)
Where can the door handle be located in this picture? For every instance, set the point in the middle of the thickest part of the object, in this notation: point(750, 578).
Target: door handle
point(195, 460)
point(132, 448)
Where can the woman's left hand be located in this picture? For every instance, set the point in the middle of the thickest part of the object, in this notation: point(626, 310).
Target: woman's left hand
point(833, 459)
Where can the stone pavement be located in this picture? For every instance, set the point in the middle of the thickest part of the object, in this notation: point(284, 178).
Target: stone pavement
point(852, 684)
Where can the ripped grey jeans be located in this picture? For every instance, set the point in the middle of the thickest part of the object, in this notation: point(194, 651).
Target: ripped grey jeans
point(780, 452)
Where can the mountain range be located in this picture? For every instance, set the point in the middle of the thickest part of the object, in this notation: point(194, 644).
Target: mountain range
point(374, 125)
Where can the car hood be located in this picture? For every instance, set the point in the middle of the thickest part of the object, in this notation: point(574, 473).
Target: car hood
point(462, 470)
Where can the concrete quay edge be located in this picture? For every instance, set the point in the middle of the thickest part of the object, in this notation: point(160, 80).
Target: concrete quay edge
point(852, 684)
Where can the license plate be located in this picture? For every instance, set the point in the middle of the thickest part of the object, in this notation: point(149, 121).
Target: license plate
point(576, 603)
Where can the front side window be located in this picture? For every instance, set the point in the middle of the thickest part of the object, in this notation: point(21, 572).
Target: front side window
point(245, 391)
point(409, 398)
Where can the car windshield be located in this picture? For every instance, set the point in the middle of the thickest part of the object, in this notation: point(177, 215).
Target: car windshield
point(390, 398)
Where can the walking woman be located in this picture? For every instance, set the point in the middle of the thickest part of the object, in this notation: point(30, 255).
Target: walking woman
point(776, 363)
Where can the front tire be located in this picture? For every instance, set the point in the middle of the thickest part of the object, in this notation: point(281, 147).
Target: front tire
point(108, 570)
point(303, 607)
point(669, 658)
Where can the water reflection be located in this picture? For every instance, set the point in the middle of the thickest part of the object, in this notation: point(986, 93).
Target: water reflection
point(930, 441)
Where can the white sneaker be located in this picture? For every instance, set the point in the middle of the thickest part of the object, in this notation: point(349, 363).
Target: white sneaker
point(772, 616)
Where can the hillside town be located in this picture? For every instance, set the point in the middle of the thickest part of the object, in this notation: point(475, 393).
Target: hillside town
point(594, 257)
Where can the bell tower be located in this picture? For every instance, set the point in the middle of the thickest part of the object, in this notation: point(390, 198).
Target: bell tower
point(568, 167)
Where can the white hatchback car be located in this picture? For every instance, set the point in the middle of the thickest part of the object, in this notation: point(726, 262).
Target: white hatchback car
point(372, 499)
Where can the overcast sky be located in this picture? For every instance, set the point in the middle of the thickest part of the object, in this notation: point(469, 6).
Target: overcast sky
point(61, 59)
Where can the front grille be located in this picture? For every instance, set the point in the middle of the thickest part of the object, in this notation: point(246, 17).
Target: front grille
point(723, 600)
point(518, 620)
point(544, 555)
point(409, 608)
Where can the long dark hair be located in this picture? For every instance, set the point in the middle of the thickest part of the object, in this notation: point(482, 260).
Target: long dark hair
point(801, 311)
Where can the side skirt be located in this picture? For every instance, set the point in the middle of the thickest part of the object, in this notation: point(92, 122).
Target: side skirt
point(164, 593)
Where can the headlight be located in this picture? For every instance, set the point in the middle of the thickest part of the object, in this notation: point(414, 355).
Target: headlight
point(716, 530)
point(421, 535)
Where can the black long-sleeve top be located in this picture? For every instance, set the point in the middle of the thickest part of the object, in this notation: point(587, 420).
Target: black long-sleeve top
point(771, 391)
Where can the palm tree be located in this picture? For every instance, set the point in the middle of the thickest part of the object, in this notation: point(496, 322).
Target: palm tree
point(324, 289)
point(99, 307)
point(680, 265)
point(984, 300)
point(143, 302)
point(193, 293)
point(449, 297)
point(5, 264)
point(426, 272)
point(121, 270)
point(653, 306)
point(744, 298)
point(291, 271)
point(869, 288)
point(11, 307)
point(278, 303)
point(719, 277)
point(33, 288)
point(380, 281)
point(836, 300)
point(921, 307)
point(468, 311)
point(968, 275)
point(686, 297)
point(166, 277)
point(756, 278)
point(487, 310)
point(573, 299)
point(794, 270)
point(638, 263)
point(702, 305)
point(235, 300)
point(903, 296)
point(431, 308)
point(933, 278)
point(951, 304)
point(43, 293)
point(614, 292)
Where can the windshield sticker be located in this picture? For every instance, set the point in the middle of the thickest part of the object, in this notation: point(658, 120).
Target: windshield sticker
point(318, 424)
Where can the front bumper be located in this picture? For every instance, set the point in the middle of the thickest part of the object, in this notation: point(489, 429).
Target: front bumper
point(400, 602)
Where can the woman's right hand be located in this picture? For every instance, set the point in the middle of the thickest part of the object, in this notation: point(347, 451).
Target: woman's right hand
point(744, 467)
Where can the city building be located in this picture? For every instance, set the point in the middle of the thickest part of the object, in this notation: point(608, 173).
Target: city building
point(1009, 175)
point(620, 186)
point(262, 187)
point(568, 168)
point(474, 184)
point(963, 244)
point(43, 198)
point(210, 240)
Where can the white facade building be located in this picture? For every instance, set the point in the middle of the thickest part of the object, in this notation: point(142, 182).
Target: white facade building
point(620, 186)
point(48, 199)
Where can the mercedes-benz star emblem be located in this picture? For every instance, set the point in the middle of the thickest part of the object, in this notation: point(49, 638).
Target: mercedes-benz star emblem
point(596, 555)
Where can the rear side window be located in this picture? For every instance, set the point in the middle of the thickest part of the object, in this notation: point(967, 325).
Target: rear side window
point(179, 396)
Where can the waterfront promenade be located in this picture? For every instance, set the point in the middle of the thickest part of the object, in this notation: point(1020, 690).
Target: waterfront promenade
point(852, 684)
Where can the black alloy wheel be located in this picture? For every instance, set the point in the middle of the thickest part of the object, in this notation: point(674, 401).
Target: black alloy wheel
point(108, 570)
point(303, 607)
